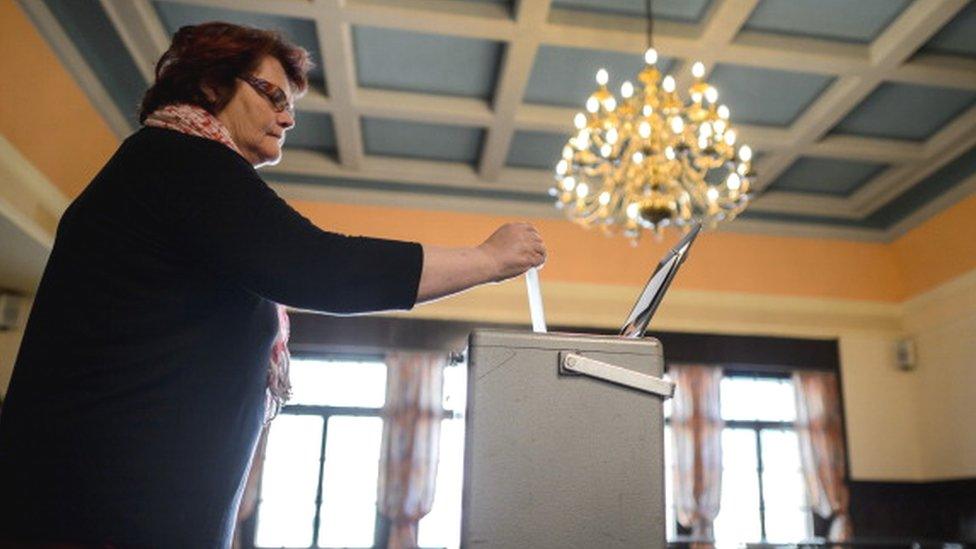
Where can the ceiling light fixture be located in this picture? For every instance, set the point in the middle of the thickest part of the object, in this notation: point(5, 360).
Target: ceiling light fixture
point(652, 159)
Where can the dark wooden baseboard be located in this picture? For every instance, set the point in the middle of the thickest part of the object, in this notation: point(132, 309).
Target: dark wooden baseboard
point(938, 510)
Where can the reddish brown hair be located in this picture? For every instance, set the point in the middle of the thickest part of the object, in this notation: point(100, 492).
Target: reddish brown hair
point(213, 55)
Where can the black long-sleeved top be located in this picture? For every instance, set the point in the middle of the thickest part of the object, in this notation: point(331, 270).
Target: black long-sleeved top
point(138, 393)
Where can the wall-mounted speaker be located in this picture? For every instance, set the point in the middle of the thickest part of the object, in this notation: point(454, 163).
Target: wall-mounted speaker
point(905, 354)
point(10, 306)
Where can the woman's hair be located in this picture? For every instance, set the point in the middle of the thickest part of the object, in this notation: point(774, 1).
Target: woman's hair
point(212, 56)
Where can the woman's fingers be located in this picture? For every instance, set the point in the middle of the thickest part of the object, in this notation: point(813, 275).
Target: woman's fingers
point(515, 247)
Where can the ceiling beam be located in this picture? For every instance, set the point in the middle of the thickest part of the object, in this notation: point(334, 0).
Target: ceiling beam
point(868, 149)
point(944, 71)
point(516, 67)
point(141, 31)
point(409, 171)
point(286, 8)
point(335, 39)
point(476, 20)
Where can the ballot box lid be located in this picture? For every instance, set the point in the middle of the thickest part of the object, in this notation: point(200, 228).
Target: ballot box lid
point(557, 341)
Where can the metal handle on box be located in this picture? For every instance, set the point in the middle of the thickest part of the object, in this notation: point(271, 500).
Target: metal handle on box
point(580, 364)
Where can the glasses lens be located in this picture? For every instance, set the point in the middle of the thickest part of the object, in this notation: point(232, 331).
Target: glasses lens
point(280, 101)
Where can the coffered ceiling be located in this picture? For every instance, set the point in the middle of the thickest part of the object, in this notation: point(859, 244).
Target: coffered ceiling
point(863, 114)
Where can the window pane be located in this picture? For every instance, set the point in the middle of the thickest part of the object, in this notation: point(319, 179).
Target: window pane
point(738, 518)
point(781, 450)
point(288, 485)
point(739, 451)
point(766, 399)
point(291, 463)
point(286, 524)
point(787, 525)
point(352, 453)
point(442, 526)
point(669, 471)
point(783, 490)
point(456, 388)
point(667, 406)
point(338, 383)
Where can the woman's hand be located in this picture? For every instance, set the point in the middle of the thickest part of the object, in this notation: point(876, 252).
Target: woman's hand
point(513, 249)
point(509, 251)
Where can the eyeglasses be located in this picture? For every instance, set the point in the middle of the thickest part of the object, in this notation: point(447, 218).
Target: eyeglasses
point(278, 98)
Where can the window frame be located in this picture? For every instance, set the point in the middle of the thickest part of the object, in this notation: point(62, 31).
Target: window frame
point(757, 426)
point(381, 524)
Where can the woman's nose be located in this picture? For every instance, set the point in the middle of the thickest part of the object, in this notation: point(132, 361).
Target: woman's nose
point(286, 119)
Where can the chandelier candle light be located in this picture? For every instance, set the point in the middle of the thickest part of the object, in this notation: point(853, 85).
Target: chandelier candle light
point(653, 160)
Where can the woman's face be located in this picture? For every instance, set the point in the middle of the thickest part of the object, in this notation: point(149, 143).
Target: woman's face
point(256, 128)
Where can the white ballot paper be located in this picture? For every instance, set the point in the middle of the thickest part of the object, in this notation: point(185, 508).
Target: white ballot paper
point(535, 300)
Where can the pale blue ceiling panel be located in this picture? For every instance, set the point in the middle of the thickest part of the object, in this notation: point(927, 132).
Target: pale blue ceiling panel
point(687, 11)
point(535, 149)
point(567, 76)
point(312, 131)
point(764, 96)
point(828, 176)
point(91, 31)
point(424, 141)
point(843, 20)
point(300, 31)
point(904, 111)
point(958, 36)
point(426, 63)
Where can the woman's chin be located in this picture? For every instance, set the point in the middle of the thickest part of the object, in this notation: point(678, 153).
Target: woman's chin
point(270, 159)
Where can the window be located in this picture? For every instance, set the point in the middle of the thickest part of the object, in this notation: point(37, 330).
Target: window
point(763, 493)
point(319, 483)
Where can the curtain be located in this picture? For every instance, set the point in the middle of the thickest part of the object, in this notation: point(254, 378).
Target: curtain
point(411, 437)
point(249, 500)
point(818, 426)
point(696, 427)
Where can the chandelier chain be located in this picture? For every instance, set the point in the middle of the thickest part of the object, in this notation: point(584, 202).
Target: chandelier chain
point(650, 24)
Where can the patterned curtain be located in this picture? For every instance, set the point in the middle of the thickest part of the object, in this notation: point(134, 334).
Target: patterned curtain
point(411, 438)
point(249, 500)
point(696, 427)
point(818, 425)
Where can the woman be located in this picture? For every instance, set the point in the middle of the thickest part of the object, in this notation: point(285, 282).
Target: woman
point(155, 336)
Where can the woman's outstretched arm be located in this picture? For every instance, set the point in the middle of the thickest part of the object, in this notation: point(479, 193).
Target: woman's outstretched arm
point(509, 251)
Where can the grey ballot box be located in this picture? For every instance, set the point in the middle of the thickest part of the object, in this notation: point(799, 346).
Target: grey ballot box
point(556, 458)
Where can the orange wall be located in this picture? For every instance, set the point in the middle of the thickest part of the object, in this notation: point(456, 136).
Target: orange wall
point(940, 249)
point(44, 113)
point(720, 261)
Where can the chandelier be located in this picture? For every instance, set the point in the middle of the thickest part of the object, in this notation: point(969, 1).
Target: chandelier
point(652, 159)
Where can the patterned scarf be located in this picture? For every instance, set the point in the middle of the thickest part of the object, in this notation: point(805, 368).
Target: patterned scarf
point(193, 120)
